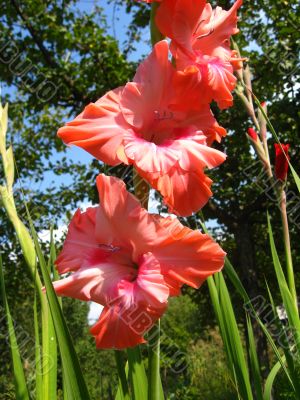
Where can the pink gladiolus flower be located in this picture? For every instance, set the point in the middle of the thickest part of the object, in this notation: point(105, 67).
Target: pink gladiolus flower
point(201, 39)
point(155, 124)
point(281, 163)
point(130, 262)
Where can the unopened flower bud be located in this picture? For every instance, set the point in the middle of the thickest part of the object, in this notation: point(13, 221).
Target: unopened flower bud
point(281, 161)
point(252, 133)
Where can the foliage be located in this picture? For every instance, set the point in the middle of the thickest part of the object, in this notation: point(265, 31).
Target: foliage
point(210, 378)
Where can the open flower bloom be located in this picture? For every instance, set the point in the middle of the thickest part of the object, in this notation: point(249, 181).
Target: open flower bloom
point(154, 124)
point(281, 161)
point(130, 261)
point(201, 43)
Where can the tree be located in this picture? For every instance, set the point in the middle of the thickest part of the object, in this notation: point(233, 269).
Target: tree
point(55, 59)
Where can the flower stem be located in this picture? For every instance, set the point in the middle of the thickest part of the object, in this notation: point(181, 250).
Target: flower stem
point(136, 373)
point(287, 247)
point(141, 189)
point(155, 391)
point(279, 190)
point(123, 386)
point(154, 383)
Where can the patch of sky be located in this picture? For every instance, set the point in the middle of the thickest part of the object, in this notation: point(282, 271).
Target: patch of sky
point(118, 22)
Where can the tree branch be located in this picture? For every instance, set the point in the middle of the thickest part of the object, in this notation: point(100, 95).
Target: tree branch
point(78, 96)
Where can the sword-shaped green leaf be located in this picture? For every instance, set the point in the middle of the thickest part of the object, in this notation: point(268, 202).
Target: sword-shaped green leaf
point(19, 376)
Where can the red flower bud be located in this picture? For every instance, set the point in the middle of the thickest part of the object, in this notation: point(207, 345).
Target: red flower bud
point(281, 163)
point(252, 133)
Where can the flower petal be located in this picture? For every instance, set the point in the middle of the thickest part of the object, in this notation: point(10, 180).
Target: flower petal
point(189, 257)
point(118, 329)
point(178, 19)
point(200, 117)
point(131, 225)
point(195, 154)
point(201, 38)
point(81, 247)
point(142, 97)
point(213, 34)
point(183, 192)
point(155, 73)
point(98, 283)
point(99, 129)
point(138, 306)
point(149, 156)
point(149, 288)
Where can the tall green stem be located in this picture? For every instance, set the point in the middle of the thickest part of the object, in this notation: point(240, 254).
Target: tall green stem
point(136, 374)
point(141, 189)
point(155, 391)
point(287, 246)
point(154, 383)
point(27, 246)
point(279, 190)
point(123, 386)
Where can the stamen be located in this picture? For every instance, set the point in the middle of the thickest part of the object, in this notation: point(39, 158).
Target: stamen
point(164, 116)
point(109, 247)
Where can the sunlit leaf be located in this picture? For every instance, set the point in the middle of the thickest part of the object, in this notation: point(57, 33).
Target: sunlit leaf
point(19, 376)
point(136, 374)
point(254, 361)
point(73, 378)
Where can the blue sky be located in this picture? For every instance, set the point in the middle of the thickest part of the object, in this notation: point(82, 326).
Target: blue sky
point(118, 23)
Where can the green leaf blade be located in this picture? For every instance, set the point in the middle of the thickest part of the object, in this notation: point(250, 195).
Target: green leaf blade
point(19, 376)
point(74, 380)
point(137, 374)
